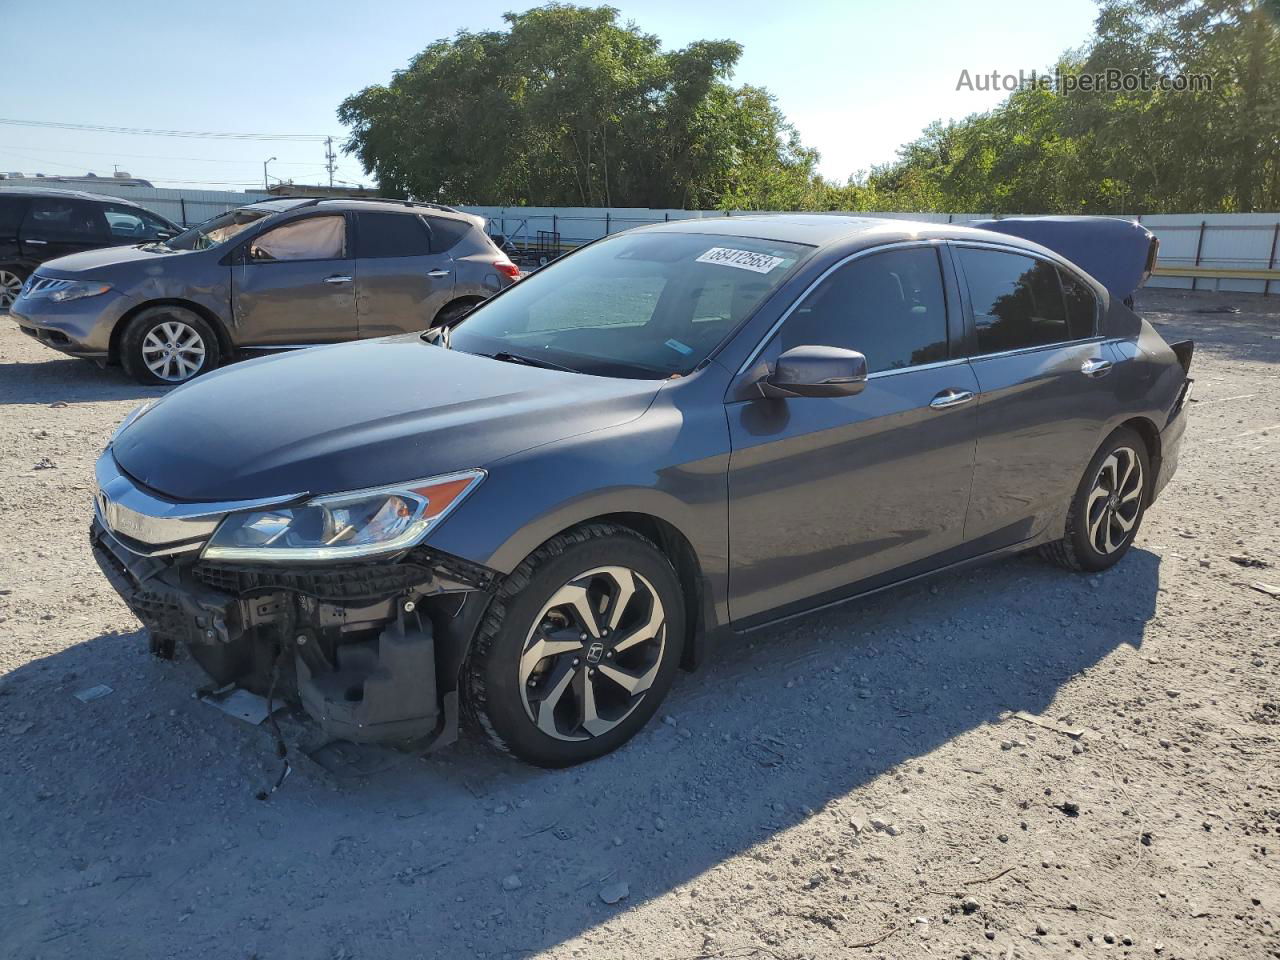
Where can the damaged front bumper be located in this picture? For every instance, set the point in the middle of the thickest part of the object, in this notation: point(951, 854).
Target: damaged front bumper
point(371, 650)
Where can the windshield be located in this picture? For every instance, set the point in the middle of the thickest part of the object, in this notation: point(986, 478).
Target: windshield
point(644, 305)
point(215, 230)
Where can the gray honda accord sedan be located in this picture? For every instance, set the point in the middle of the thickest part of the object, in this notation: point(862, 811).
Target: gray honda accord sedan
point(670, 436)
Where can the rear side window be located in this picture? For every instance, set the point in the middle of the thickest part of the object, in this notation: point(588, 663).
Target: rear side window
point(446, 234)
point(10, 215)
point(384, 235)
point(1017, 300)
point(133, 223)
point(64, 221)
point(1082, 306)
point(889, 306)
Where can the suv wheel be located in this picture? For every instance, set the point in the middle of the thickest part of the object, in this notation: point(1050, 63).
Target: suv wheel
point(1108, 506)
point(578, 649)
point(168, 345)
point(11, 281)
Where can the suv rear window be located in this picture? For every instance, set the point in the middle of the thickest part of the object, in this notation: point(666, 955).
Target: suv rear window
point(391, 235)
point(446, 234)
point(68, 221)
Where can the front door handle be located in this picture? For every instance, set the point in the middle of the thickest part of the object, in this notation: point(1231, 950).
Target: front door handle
point(337, 279)
point(437, 274)
point(1095, 367)
point(950, 398)
point(37, 243)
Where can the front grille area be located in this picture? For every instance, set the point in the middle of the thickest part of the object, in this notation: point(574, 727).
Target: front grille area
point(35, 285)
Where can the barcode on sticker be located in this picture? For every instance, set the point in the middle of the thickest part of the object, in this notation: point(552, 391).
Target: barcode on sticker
point(742, 259)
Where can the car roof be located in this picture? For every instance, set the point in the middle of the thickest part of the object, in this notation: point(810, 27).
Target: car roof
point(25, 191)
point(372, 204)
point(821, 230)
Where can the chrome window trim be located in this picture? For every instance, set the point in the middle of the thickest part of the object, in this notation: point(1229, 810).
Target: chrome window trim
point(1056, 345)
point(936, 365)
point(868, 251)
point(133, 515)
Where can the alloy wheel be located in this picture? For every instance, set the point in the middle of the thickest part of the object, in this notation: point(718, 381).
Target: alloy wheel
point(593, 653)
point(1115, 500)
point(10, 287)
point(173, 351)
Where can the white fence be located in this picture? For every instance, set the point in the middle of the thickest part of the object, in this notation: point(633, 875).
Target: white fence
point(1213, 251)
point(1210, 251)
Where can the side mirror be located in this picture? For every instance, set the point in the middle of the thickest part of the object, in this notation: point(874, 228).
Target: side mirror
point(816, 372)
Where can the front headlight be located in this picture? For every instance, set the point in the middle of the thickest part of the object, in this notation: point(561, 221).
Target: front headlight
point(343, 526)
point(78, 290)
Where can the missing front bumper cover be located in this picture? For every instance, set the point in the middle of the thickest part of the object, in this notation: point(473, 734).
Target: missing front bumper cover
point(372, 650)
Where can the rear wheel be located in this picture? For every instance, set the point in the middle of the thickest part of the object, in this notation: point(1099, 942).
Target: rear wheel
point(1108, 505)
point(168, 345)
point(579, 648)
point(11, 280)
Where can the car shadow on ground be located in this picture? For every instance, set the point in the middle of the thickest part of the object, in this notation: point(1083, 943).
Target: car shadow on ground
point(69, 380)
point(136, 827)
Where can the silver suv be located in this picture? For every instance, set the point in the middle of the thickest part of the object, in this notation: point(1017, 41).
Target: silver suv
point(267, 276)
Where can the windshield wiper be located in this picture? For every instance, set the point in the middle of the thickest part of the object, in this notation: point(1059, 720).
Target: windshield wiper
point(506, 357)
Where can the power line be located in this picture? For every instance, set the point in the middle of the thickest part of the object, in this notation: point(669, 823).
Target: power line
point(148, 132)
point(155, 156)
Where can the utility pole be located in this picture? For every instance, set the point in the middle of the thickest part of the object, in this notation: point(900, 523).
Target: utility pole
point(329, 165)
point(266, 187)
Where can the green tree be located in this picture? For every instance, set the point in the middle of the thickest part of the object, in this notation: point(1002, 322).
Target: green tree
point(568, 106)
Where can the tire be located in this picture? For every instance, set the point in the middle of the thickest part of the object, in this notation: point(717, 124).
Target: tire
point(1102, 522)
point(12, 277)
point(452, 313)
point(145, 348)
point(536, 706)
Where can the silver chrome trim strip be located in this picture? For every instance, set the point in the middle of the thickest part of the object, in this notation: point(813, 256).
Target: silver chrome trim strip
point(764, 341)
point(135, 515)
point(953, 362)
point(978, 357)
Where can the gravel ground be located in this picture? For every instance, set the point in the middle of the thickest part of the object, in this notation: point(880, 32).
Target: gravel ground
point(851, 784)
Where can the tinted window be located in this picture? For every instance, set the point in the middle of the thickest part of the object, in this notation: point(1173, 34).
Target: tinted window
point(313, 238)
point(10, 215)
point(1017, 300)
point(66, 221)
point(445, 234)
point(889, 307)
point(634, 305)
point(392, 235)
point(1082, 306)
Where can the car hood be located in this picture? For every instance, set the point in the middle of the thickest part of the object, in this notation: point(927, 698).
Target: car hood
point(74, 265)
point(357, 415)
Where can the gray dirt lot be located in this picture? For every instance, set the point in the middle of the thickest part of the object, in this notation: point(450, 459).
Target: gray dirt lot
point(745, 823)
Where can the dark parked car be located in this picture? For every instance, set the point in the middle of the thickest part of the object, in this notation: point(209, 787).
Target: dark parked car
point(268, 276)
point(673, 434)
point(38, 224)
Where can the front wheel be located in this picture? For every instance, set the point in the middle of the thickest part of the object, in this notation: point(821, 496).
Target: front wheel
point(168, 345)
point(579, 648)
point(1108, 505)
point(11, 280)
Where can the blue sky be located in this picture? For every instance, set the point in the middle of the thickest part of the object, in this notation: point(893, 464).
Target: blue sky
point(857, 78)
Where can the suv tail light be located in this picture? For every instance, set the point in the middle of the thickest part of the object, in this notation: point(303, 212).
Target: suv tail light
point(506, 266)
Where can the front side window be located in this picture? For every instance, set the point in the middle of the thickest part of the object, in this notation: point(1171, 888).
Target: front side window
point(313, 238)
point(888, 306)
point(1017, 301)
point(384, 235)
point(11, 210)
point(66, 221)
point(645, 305)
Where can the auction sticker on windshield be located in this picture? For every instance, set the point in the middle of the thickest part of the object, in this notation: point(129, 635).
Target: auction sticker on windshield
point(742, 259)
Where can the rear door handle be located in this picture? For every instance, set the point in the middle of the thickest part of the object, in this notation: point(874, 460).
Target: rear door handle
point(437, 274)
point(951, 398)
point(1095, 367)
point(337, 279)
